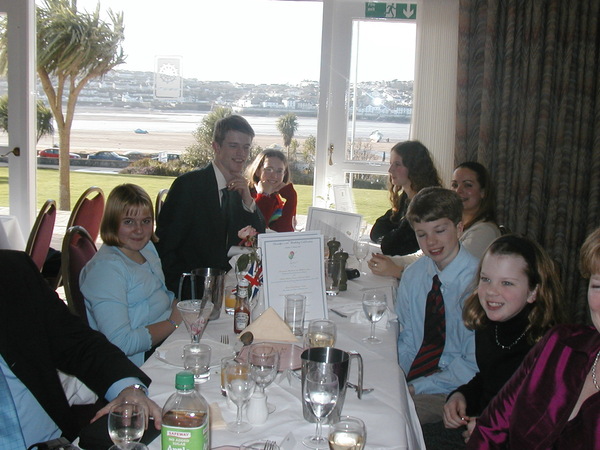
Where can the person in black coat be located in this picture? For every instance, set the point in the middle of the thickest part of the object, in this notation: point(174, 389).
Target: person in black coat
point(206, 208)
point(38, 336)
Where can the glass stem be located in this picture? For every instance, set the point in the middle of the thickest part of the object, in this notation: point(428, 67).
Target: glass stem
point(318, 432)
point(239, 414)
point(372, 329)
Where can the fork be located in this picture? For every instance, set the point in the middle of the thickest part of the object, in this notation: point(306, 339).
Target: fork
point(270, 445)
point(225, 339)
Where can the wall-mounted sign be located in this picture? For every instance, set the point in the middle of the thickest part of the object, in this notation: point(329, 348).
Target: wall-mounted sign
point(407, 11)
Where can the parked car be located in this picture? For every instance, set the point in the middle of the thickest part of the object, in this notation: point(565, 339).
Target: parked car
point(164, 157)
point(53, 153)
point(106, 155)
point(140, 131)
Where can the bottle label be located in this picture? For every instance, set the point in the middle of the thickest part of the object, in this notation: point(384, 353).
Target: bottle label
point(241, 320)
point(183, 438)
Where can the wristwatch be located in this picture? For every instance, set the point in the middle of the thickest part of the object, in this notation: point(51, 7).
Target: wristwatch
point(140, 387)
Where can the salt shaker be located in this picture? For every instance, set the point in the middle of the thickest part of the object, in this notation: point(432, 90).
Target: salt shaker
point(257, 409)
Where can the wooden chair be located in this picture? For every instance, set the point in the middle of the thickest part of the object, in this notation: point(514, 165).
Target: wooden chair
point(40, 236)
point(88, 211)
point(77, 249)
point(160, 200)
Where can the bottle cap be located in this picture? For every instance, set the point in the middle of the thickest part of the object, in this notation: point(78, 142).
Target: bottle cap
point(184, 381)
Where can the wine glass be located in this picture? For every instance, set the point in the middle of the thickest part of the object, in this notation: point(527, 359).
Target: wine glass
point(239, 385)
point(126, 422)
point(361, 251)
point(321, 333)
point(194, 317)
point(321, 392)
point(347, 434)
point(264, 364)
point(374, 305)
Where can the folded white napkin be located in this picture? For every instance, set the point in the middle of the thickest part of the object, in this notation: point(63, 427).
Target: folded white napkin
point(356, 314)
point(216, 417)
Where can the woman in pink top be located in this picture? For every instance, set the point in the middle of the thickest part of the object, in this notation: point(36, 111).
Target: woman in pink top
point(553, 400)
point(272, 190)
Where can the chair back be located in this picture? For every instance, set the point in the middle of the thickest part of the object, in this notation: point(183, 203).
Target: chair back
point(77, 249)
point(88, 211)
point(160, 200)
point(40, 236)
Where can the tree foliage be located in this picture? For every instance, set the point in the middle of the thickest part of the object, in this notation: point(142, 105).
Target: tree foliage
point(309, 149)
point(201, 152)
point(44, 118)
point(73, 47)
point(287, 125)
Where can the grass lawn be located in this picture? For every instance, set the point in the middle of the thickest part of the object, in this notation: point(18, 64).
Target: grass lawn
point(370, 203)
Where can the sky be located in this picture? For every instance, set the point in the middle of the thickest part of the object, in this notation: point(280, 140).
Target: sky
point(250, 41)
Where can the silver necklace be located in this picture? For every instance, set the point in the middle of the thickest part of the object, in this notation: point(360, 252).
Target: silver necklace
point(594, 371)
point(508, 347)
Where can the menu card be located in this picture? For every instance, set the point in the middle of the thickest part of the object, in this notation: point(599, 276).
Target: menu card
point(293, 264)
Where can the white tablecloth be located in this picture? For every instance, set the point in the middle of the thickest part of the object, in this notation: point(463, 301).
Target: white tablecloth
point(388, 411)
point(11, 236)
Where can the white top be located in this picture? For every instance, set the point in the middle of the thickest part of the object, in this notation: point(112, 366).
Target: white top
point(478, 237)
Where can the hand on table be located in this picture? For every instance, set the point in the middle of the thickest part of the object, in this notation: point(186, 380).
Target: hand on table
point(383, 265)
point(129, 394)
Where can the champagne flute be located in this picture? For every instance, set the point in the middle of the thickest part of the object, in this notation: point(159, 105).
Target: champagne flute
point(126, 422)
point(348, 434)
point(239, 385)
point(361, 251)
point(374, 305)
point(264, 364)
point(320, 392)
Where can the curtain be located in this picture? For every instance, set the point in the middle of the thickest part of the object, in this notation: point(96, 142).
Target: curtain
point(528, 107)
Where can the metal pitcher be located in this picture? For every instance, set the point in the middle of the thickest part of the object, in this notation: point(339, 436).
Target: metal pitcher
point(336, 361)
point(205, 284)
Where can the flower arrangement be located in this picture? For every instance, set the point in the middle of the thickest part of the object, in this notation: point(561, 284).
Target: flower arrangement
point(248, 266)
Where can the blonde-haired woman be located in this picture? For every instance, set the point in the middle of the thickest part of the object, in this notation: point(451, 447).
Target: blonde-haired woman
point(123, 284)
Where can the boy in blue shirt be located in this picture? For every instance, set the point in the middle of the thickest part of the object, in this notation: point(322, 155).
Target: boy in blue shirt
point(435, 349)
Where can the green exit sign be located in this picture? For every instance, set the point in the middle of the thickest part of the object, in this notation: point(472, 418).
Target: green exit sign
point(391, 10)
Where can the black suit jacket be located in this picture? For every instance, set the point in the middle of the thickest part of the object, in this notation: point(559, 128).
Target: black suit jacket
point(192, 230)
point(38, 335)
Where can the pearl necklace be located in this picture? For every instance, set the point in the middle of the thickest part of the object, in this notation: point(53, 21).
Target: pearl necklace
point(594, 372)
point(508, 347)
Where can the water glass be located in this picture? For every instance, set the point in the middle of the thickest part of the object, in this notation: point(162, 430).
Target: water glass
point(321, 333)
point(240, 387)
point(320, 391)
point(295, 308)
point(126, 423)
point(374, 305)
point(225, 362)
point(348, 433)
point(196, 359)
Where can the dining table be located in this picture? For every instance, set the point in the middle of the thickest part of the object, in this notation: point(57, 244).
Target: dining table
point(11, 236)
point(387, 411)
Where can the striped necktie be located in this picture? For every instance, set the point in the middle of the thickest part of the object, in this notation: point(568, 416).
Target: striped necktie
point(10, 428)
point(434, 335)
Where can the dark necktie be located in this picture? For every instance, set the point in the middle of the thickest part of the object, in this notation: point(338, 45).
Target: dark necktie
point(434, 335)
point(224, 199)
point(10, 428)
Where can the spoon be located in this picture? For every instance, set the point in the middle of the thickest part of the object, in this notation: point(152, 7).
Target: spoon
point(246, 339)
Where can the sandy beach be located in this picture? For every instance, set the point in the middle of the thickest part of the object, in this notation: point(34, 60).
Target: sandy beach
point(100, 129)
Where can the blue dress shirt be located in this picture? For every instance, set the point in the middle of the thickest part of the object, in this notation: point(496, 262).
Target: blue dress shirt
point(457, 363)
point(123, 297)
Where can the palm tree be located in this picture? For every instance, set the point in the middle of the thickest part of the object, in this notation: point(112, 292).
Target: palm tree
point(72, 49)
point(44, 118)
point(287, 125)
